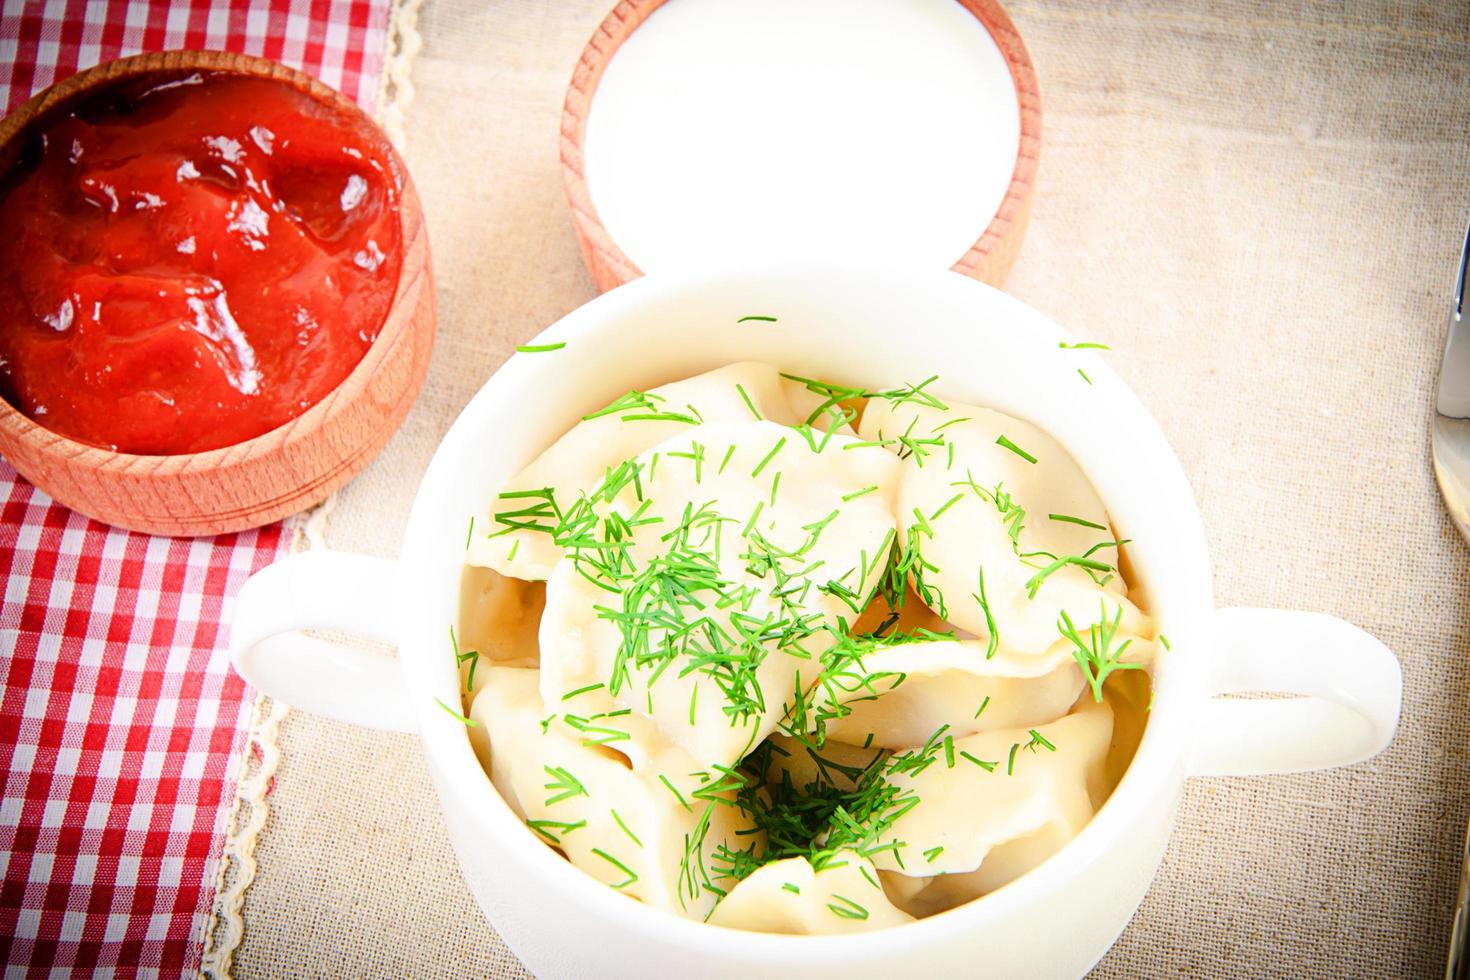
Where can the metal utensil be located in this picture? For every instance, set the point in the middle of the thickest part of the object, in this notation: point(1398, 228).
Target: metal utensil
point(1450, 438)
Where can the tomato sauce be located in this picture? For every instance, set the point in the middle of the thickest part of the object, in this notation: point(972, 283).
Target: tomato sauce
point(189, 262)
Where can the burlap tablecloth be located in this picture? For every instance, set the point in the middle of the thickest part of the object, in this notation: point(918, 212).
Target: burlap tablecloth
point(1258, 205)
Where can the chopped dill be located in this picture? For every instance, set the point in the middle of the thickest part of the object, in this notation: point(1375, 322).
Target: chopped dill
point(759, 319)
point(987, 766)
point(661, 417)
point(632, 875)
point(563, 785)
point(748, 403)
point(768, 457)
point(677, 795)
point(1069, 519)
point(1005, 443)
point(993, 642)
point(601, 735)
point(631, 836)
point(1096, 655)
point(470, 656)
point(1034, 583)
point(1037, 739)
point(467, 722)
point(946, 506)
point(847, 908)
point(561, 826)
point(634, 399)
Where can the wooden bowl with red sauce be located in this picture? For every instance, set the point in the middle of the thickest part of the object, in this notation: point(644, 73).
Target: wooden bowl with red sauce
point(293, 465)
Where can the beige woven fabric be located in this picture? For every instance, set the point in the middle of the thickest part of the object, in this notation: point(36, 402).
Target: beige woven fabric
point(1257, 204)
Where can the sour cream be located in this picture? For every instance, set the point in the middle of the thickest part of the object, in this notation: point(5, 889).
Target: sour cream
point(731, 131)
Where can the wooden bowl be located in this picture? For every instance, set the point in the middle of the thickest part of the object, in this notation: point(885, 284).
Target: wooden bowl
point(285, 470)
point(989, 259)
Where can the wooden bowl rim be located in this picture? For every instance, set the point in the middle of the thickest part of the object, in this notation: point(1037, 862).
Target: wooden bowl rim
point(628, 15)
point(21, 427)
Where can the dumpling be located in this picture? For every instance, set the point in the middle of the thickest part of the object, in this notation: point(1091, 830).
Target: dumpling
point(499, 618)
point(626, 818)
point(579, 460)
point(782, 758)
point(978, 793)
point(898, 694)
point(744, 542)
point(983, 493)
point(790, 896)
point(1005, 863)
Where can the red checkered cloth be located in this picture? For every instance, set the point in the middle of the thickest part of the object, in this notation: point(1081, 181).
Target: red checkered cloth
point(119, 715)
point(342, 42)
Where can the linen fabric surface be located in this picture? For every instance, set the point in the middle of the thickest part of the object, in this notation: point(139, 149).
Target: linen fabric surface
point(121, 721)
point(1257, 204)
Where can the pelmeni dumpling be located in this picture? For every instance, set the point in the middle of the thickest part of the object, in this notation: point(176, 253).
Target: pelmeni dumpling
point(577, 462)
point(1004, 864)
point(986, 790)
point(794, 761)
point(749, 539)
point(898, 695)
point(624, 818)
point(498, 621)
point(789, 896)
point(1007, 502)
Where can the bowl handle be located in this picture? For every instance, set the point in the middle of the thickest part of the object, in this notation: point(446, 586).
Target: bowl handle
point(326, 590)
point(1349, 688)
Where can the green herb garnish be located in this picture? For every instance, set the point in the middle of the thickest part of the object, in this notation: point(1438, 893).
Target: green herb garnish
point(563, 785)
point(1069, 519)
point(631, 836)
point(1096, 655)
point(748, 403)
point(632, 875)
point(467, 722)
point(1005, 443)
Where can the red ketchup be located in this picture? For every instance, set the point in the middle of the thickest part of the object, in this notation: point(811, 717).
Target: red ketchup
point(189, 262)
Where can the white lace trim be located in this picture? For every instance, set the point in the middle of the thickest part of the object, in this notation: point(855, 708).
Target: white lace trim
point(395, 93)
point(255, 769)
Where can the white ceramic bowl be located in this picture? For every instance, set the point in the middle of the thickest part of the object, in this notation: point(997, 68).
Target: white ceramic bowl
point(866, 327)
